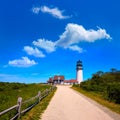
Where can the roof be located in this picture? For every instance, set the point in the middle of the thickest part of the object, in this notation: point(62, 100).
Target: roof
point(61, 77)
point(71, 81)
point(58, 77)
point(50, 80)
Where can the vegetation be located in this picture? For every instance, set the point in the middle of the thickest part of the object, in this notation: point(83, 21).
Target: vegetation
point(36, 112)
point(9, 93)
point(104, 88)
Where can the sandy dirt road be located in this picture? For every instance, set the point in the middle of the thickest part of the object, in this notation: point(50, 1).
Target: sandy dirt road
point(70, 105)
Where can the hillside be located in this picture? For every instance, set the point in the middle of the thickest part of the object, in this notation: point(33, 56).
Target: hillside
point(9, 93)
point(107, 84)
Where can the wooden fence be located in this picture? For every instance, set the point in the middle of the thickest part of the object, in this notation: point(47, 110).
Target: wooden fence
point(39, 97)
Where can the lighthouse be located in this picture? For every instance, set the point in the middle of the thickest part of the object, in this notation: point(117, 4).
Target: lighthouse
point(79, 70)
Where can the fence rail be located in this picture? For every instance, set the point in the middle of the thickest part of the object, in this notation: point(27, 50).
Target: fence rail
point(39, 96)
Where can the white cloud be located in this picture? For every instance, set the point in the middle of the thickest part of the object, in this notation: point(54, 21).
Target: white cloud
point(36, 10)
point(23, 62)
point(76, 48)
point(74, 34)
point(71, 37)
point(47, 45)
point(35, 52)
point(55, 12)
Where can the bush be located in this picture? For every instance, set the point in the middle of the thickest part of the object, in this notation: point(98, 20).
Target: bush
point(107, 84)
point(113, 92)
point(86, 85)
point(76, 85)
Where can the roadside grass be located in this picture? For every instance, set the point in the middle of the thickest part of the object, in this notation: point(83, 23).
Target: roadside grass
point(99, 98)
point(36, 112)
point(9, 93)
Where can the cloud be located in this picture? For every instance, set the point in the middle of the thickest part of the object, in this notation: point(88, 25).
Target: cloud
point(23, 62)
point(76, 48)
point(36, 10)
point(47, 45)
point(55, 12)
point(71, 38)
point(74, 34)
point(35, 52)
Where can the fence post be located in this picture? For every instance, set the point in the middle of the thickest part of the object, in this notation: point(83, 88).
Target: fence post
point(46, 91)
point(39, 95)
point(19, 107)
point(51, 89)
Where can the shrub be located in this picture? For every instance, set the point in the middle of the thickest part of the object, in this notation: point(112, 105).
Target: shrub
point(113, 92)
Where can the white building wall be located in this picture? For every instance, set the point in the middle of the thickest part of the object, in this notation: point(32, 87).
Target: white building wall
point(79, 76)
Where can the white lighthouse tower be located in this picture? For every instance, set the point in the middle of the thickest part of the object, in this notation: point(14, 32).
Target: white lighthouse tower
point(79, 70)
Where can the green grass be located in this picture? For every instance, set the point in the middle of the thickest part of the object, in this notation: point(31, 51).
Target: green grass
point(9, 93)
point(36, 112)
point(99, 98)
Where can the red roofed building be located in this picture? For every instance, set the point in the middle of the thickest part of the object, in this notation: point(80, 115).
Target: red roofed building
point(70, 82)
point(57, 79)
point(50, 80)
point(60, 79)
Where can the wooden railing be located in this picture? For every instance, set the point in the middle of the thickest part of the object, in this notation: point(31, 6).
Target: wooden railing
point(39, 97)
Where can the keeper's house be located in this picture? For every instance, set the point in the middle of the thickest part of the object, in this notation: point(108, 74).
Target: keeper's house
point(60, 79)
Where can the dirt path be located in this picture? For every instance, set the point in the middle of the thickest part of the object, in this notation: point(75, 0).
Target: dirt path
point(69, 105)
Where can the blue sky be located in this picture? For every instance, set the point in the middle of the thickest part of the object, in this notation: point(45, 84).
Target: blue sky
point(42, 38)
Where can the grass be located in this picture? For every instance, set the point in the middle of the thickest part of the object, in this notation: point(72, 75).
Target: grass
point(36, 112)
point(99, 98)
point(9, 93)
